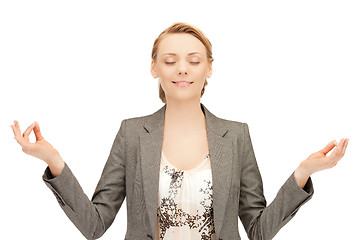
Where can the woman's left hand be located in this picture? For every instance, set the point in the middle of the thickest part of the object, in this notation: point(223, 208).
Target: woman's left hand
point(319, 161)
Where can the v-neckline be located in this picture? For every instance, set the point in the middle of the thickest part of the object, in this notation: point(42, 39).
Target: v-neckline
point(187, 170)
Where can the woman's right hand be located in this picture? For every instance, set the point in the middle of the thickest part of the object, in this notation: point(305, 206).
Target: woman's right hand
point(40, 149)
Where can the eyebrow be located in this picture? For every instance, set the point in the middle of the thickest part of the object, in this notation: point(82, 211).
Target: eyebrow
point(188, 53)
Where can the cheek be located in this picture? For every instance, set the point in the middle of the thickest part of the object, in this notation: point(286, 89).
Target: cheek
point(200, 73)
point(200, 70)
point(166, 73)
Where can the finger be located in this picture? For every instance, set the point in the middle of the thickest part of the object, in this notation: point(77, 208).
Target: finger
point(345, 145)
point(16, 129)
point(334, 155)
point(28, 131)
point(38, 134)
point(328, 148)
point(343, 151)
point(17, 132)
point(342, 154)
point(338, 153)
point(340, 149)
point(18, 137)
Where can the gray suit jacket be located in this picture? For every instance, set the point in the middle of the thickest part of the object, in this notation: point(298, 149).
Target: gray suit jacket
point(132, 170)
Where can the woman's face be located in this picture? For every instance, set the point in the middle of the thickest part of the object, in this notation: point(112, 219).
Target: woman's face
point(181, 57)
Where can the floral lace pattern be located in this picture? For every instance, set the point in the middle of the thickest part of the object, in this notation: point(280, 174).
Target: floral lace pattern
point(170, 214)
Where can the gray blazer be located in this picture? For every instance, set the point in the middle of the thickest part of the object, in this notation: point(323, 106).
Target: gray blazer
point(132, 170)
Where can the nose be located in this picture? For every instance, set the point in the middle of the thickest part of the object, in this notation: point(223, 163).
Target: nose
point(182, 68)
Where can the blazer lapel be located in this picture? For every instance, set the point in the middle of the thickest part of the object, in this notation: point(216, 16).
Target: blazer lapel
point(220, 153)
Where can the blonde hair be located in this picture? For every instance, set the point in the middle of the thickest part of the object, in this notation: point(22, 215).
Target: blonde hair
point(180, 27)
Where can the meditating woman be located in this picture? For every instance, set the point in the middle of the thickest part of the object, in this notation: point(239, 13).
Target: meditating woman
point(185, 173)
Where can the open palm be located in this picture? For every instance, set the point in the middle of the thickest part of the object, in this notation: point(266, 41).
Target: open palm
point(319, 161)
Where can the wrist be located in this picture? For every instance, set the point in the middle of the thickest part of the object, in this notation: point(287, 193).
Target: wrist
point(301, 176)
point(56, 166)
point(303, 171)
point(54, 160)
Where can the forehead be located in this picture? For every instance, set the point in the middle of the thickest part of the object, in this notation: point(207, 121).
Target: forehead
point(180, 44)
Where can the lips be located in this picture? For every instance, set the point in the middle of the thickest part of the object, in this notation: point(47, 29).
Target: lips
point(182, 82)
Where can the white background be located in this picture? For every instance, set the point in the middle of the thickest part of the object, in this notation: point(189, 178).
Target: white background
point(291, 69)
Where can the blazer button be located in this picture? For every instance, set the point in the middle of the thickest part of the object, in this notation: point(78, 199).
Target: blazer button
point(149, 236)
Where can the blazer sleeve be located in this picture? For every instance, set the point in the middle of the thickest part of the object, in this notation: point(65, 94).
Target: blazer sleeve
point(259, 221)
point(93, 217)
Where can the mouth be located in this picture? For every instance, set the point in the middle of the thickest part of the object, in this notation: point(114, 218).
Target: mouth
point(182, 83)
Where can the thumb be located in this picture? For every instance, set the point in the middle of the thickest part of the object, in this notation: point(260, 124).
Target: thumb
point(329, 147)
point(38, 134)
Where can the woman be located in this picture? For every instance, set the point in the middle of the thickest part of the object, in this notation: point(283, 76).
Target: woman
point(187, 174)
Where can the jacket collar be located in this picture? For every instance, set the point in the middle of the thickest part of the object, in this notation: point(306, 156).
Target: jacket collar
point(220, 153)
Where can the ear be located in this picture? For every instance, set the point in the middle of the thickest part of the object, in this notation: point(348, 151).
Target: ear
point(210, 69)
point(152, 70)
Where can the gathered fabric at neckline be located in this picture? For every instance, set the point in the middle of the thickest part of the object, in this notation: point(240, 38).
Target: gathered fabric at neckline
point(187, 170)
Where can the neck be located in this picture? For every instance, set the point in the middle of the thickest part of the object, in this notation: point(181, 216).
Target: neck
point(185, 116)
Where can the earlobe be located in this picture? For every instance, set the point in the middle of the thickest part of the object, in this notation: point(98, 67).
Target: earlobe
point(209, 73)
point(153, 72)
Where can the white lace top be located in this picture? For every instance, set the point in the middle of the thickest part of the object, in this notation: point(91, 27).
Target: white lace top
point(185, 209)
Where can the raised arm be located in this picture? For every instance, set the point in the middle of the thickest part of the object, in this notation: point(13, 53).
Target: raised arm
point(91, 217)
point(261, 221)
